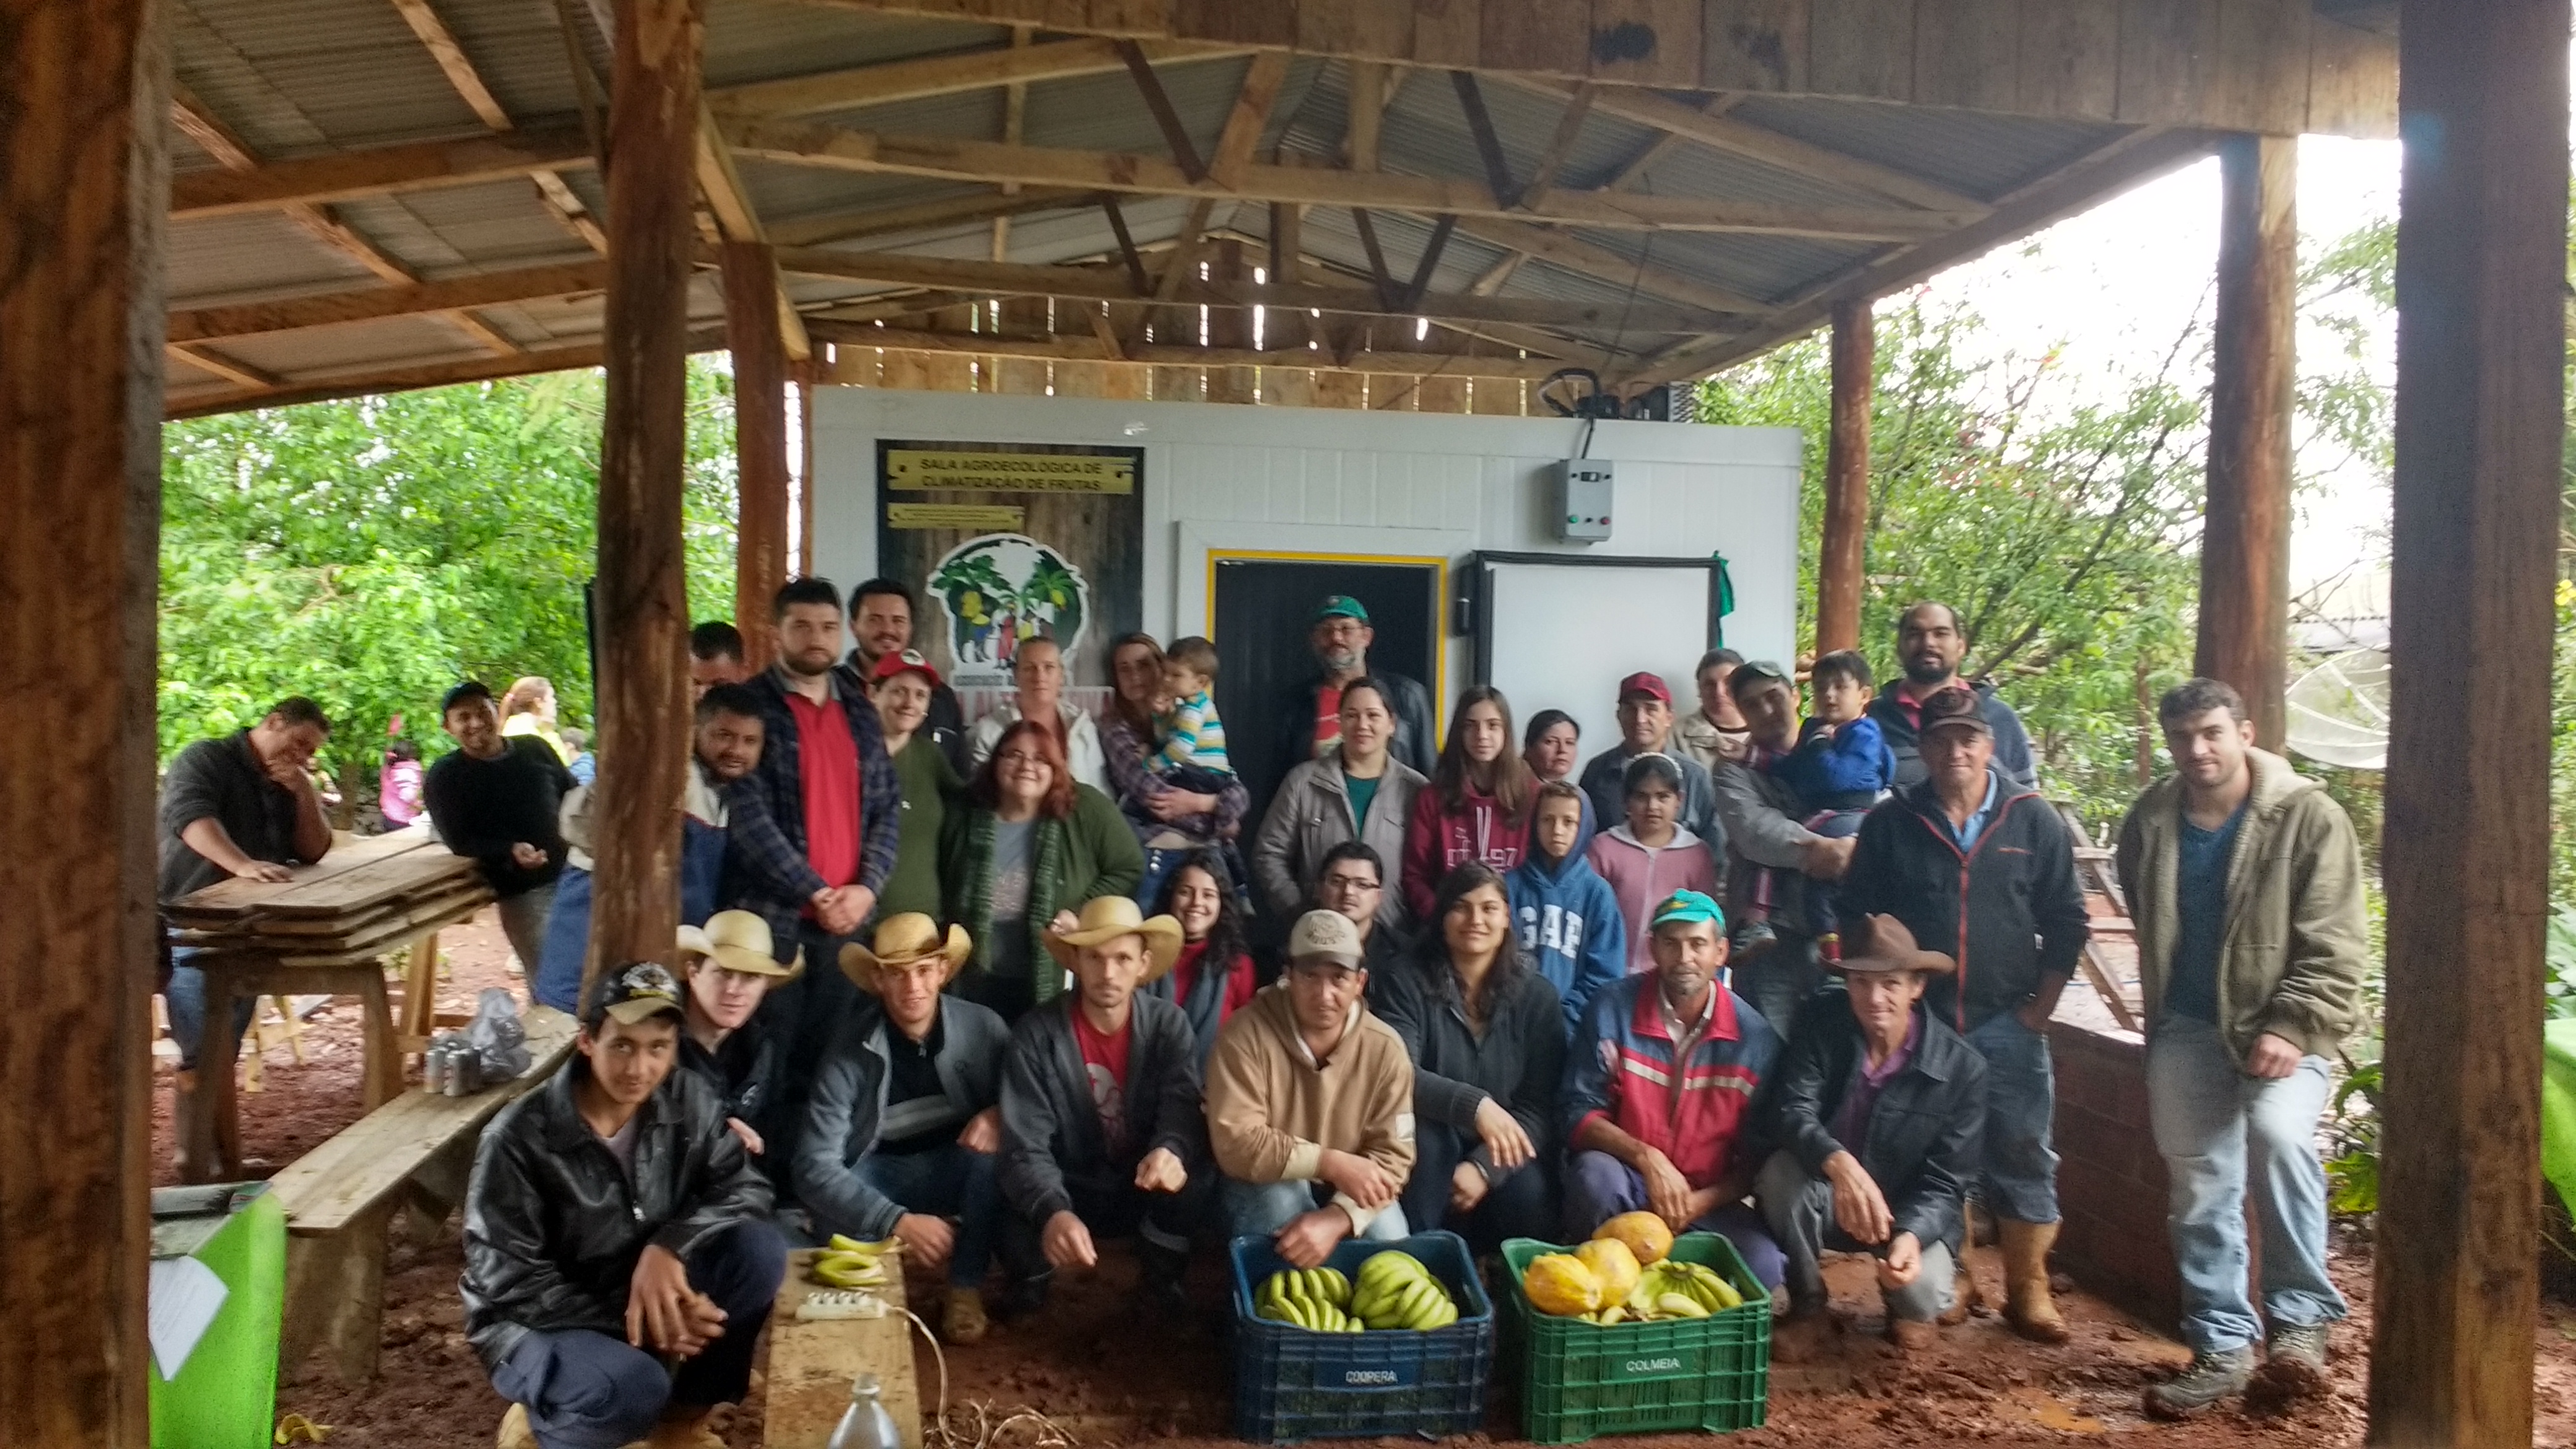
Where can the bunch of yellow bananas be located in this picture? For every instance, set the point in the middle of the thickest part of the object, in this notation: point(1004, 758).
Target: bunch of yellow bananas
point(1671, 1289)
point(1396, 1291)
point(848, 1263)
point(1314, 1298)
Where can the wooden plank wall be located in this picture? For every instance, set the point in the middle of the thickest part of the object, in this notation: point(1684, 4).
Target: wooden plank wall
point(2270, 66)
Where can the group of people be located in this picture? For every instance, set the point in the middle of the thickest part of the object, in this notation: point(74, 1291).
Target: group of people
point(990, 989)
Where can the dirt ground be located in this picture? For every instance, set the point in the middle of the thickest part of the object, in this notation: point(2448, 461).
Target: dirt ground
point(1102, 1377)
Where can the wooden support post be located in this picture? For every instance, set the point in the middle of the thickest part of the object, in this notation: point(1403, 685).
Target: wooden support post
point(1230, 327)
point(760, 443)
point(83, 177)
point(2481, 342)
point(1844, 551)
point(2245, 533)
point(643, 685)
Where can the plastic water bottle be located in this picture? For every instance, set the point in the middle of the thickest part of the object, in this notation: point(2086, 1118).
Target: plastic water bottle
point(866, 1425)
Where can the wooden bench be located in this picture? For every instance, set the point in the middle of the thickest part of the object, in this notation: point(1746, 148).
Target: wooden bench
point(811, 1365)
point(340, 1198)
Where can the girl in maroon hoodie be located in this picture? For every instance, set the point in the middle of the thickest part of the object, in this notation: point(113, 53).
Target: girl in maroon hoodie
point(1477, 806)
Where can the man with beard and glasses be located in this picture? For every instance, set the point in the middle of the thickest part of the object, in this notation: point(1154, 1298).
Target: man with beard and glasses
point(813, 833)
point(724, 749)
point(1929, 647)
point(1340, 637)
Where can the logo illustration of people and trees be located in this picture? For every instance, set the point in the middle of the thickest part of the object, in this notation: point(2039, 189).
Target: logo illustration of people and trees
point(1001, 589)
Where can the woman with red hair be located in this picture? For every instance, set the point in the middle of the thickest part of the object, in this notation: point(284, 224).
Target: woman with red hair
point(1030, 846)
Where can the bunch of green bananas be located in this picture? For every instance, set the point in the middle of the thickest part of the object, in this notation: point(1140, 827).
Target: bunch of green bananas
point(1671, 1289)
point(848, 1263)
point(1396, 1291)
point(1315, 1298)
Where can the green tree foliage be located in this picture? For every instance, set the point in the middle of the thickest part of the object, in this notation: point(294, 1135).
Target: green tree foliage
point(2062, 527)
point(372, 552)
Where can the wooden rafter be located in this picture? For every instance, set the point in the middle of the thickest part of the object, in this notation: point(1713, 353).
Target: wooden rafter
point(1561, 249)
point(490, 289)
point(2133, 158)
point(1420, 286)
point(1250, 117)
point(867, 221)
point(965, 160)
point(1569, 129)
point(1185, 152)
point(461, 74)
point(1375, 251)
point(941, 75)
point(1489, 144)
point(1127, 253)
point(232, 370)
point(377, 171)
point(1087, 347)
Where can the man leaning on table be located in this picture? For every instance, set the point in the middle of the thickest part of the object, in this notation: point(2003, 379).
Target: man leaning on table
point(239, 807)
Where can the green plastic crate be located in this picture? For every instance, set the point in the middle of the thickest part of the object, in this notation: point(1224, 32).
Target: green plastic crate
point(1580, 1380)
point(225, 1397)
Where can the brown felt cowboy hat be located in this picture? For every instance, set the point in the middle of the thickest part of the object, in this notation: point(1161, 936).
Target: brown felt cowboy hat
point(738, 941)
point(902, 941)
point(1883, 944)
point(1110, 917)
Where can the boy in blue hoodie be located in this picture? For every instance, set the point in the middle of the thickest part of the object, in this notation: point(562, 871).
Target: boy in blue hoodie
point(1569, 919)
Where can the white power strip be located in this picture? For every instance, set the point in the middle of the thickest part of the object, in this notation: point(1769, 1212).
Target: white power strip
point(830, 1303)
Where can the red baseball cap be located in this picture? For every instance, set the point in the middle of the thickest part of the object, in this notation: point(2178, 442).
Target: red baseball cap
point(904, 661)
point(1644, 683)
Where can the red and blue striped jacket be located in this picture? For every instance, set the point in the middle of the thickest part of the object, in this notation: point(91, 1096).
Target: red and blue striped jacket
point(1695, 1112)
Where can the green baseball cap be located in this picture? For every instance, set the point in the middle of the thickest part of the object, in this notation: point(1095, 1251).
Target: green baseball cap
point(1340, 606)
point(1687, 907)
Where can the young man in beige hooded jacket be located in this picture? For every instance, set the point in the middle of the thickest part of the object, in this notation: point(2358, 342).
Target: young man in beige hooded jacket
point(2245, 880)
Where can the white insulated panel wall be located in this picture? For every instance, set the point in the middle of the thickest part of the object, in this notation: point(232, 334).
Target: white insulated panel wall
point(1229, 477)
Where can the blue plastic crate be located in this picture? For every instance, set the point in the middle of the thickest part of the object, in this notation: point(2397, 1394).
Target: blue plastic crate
point(1292, 1383)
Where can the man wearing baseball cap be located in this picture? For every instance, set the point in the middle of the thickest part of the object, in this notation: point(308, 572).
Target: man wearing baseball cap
point(614, 1223)
point(1874, 1111)
point(1646, 728)
point(1310, 1103)
point(1980, 867)
point(1312, 722)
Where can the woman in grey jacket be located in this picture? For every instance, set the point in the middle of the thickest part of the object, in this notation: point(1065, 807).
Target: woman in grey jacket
point(1357, 792)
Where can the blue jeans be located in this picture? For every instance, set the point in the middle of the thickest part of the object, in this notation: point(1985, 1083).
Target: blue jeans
point(1261, 1209)
point(556, 979)
point(1599, 1187)
point(186, 998)
point(2222, 1132)
point(587, 1390)
point(2021, 1098)
point(944, 1182)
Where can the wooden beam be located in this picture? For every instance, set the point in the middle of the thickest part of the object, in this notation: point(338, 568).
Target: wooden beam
point(406, 377)
point(1361, 136)
point(1428, 264)
point(1725, 133)
point(1102, 284)
point(942, 75)
point(553, 194)
point(1841, 559)
point(1569, 130)
point(569, 211)
point(203, 126)
point(736, 221)
point(376, 171)
point(83, 158)
point(643, 610)
point(1136, 275)
point(491, 289)
point(2249, 65)
point(2132, 159)
point(2245, 531)
point(1489, 146)
point(207, 359)
point(965, 160)
point(1073, 347)
point(484, 334)
point(2481, 352)
point(1379, 276)
point(1561, 249)
point(868, 221)
point(760, 443)
point(1185, 153)
point(1250, 117)
point(451, 58)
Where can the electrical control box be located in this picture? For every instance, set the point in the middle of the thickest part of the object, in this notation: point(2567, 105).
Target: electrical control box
point(1583, 493)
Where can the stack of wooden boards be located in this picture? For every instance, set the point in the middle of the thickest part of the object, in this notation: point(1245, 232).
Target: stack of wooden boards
point(365, 899)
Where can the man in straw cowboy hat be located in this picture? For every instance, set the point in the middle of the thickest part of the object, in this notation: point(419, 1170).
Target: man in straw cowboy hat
point(1101, 1132)
point(1875, 1109)
point(729, 968)
point(619, 1258)
point(900, 1133)
point(1310, 1103)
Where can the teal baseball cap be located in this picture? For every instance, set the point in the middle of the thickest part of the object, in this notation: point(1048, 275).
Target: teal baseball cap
point(1688, 907)
point(1340, 606)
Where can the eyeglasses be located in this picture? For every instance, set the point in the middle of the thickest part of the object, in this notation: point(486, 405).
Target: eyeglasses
point(1351, 883)
point(1020, 757)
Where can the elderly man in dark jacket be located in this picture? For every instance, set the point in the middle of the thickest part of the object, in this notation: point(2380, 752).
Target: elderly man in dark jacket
point(1982, 869)
point(1340, 637)
point(1875, 1111)
point(613, 1222)
point(1101, 1129)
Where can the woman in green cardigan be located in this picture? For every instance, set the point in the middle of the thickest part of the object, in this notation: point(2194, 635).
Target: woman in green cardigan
point(902, 687)
point(1022, 853)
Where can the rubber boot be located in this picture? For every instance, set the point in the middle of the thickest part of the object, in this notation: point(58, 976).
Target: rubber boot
point(2028, 1307)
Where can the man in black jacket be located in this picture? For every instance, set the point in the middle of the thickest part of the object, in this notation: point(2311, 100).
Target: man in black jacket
point(1341, 637)
point(1875, 1112)
point(498, 799)
point(613, 1222)
point(1983, 870)
point(1101, 1131)
point(1930, 646)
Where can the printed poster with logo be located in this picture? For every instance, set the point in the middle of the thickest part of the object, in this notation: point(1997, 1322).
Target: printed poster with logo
point(1008, 542)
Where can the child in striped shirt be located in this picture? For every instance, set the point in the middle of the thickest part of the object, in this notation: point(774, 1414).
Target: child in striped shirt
point(1193, 755)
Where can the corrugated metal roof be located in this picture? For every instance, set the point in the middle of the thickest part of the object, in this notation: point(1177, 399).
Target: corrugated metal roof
point(302, 77)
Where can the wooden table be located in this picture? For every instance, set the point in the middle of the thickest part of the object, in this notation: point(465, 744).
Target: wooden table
point(811, 1365)
point(326, 930)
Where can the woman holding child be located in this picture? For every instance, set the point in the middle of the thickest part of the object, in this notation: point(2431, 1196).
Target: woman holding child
point(1170, 818)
